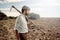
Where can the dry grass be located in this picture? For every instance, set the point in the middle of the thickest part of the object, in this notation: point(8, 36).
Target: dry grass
point(44, 29)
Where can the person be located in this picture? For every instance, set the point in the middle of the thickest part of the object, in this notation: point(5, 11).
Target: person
point(21, 26)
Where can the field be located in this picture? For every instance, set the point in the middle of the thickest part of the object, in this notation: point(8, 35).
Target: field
point(41, 29)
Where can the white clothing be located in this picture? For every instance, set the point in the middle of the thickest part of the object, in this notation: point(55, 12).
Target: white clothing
point(21, 24)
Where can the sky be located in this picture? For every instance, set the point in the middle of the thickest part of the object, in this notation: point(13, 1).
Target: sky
point(45, 8)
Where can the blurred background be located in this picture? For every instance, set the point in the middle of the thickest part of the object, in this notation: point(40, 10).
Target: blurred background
point(45, 27)
point(45, 8)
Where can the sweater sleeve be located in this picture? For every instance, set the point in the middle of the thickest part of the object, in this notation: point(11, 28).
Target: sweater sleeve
point(16, 23)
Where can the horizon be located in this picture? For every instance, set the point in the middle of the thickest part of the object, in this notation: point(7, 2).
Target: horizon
point(45, 8)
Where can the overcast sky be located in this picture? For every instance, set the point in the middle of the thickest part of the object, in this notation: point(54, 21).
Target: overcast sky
point(45, 8)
